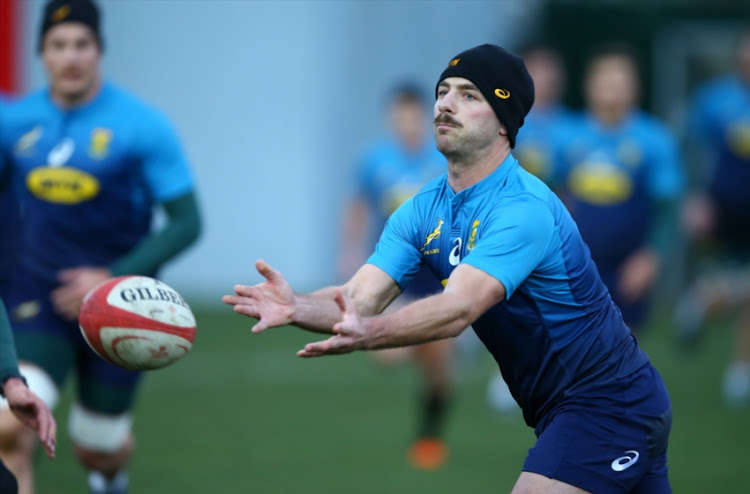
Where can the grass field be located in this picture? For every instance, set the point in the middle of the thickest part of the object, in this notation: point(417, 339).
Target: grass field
point(243, 414)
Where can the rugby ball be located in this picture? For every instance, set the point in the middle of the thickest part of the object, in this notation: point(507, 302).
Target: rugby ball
point(137, 322)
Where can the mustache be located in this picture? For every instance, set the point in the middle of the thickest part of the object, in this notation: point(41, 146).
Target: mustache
point(445, 118)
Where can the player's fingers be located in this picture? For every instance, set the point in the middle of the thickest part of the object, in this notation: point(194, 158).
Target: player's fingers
point(267, 271)
point(50, 442)
point(247, 310)
point(244, 290)
point(237, 300)
point(259, 327)
point(338, 297)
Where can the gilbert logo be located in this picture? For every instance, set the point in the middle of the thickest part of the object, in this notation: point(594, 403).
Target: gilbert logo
point(502, 93)
point(454, 62)
point(625, 462)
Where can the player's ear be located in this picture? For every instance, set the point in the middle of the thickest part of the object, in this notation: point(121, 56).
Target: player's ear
point(503, 131)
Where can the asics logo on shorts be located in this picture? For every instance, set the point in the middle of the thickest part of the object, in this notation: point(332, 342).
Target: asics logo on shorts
point(624, 462)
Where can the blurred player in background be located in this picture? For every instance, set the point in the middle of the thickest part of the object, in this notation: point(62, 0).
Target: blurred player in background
point(536, 146)
point(621, 178)
point(717, 215)
point(547, 121)
point(90, 163)
point(391, 171)
point(516, 269)
point(25, 405)
point(9, 223)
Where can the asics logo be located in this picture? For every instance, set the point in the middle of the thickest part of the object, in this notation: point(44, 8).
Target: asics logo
point(455, 256)
point(624, 462)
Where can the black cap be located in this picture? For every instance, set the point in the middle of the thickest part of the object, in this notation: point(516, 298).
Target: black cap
point(59, 11)
point(502, 79)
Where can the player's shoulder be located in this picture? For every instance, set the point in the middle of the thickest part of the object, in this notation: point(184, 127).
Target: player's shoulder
point(650, 126)
point(132, 106)
point(718, 86)
point(31, 104)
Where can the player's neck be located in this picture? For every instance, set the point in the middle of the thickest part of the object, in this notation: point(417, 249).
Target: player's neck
point(68, 100)
point(466, 171)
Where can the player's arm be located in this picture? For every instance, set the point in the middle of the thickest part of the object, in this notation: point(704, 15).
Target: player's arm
point(182, 229)
point(274, 303)
point(468, 294)
point(24, 404)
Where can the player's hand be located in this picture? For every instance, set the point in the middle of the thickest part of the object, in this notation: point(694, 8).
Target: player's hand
point(32, 412)
point(271, 302)
point(75, 283)
point(698, 216)
point(638, 274)
point(349, 334)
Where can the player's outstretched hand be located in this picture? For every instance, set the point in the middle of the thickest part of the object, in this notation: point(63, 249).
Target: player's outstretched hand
point(349, 334)
point(271, 302)
point(32, 412)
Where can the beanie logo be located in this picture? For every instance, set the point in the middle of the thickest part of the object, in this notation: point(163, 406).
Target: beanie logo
point(502, 93)
point(60, 13)
point(454, 62)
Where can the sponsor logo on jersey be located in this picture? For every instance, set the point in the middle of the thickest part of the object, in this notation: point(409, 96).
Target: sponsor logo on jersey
point(62, 185)
point(25, 144)
point(502, 93)
point(455, 256)
point(626, 461)
point(472, 236)
point(100, 139)
point(600, 183)
point(434, 235)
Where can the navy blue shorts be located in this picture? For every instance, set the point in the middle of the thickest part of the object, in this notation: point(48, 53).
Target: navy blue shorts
point(610, 440)
point(57, 346)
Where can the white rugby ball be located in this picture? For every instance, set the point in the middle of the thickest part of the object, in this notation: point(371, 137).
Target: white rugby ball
point(137, 322)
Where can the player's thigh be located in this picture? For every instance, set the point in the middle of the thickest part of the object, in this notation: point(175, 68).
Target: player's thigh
point(533, 483)
point(105, 388)
point(608, 441)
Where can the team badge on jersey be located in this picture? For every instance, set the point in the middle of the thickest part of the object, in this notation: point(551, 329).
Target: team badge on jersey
point(433, 236)
point(472, 236)
point(100, 139)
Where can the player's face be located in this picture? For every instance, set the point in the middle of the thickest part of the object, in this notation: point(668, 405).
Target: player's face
point(71, 56)
point(464, 120)
point(408, 122)
point(611, 87)
point(547, 74)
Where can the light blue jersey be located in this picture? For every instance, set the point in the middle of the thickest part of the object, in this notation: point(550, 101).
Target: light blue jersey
point(558, 333)
point(87, 178)
point(544, 131)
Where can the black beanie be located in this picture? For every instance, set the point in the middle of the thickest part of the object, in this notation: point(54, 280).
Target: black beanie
point(59, 11)
point(502, 79)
